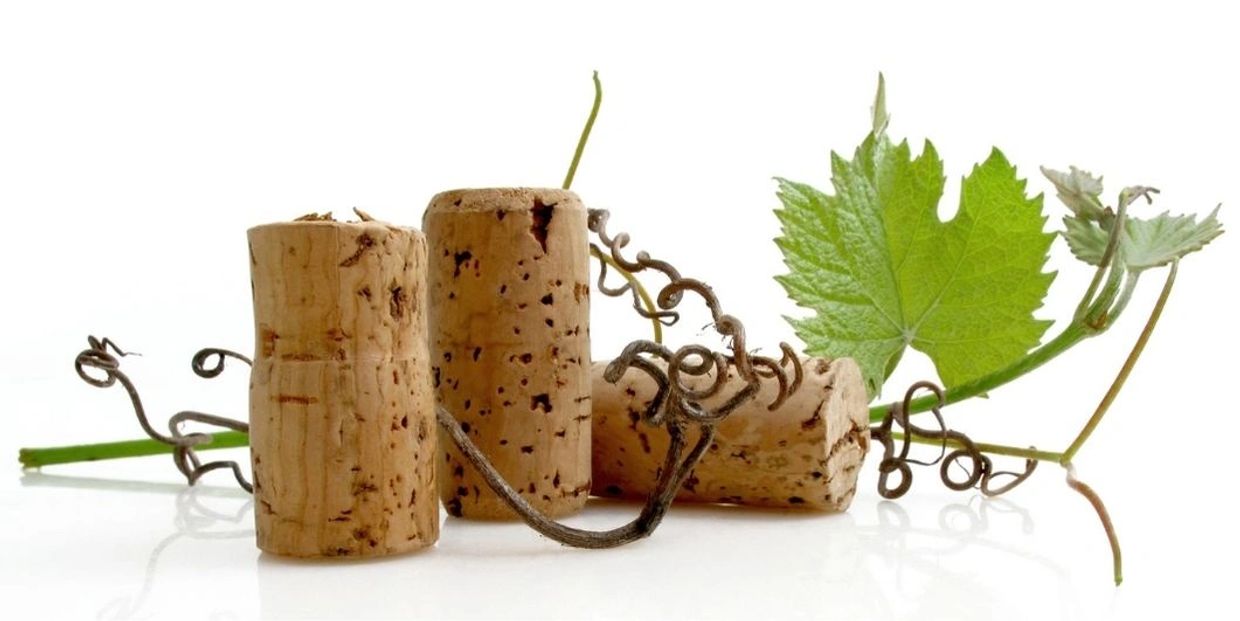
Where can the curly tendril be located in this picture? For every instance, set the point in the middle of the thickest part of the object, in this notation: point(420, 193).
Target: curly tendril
point(978, 467)
point(98, 357)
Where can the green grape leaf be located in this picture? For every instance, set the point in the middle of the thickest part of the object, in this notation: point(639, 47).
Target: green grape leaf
point(882, 272)
point(1146, 243)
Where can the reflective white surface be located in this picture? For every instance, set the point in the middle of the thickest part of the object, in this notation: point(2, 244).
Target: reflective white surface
point(91, 547)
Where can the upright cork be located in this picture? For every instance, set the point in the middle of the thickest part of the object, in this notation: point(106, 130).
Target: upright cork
point(342, 422)
point(510, 346)
point(805, 454)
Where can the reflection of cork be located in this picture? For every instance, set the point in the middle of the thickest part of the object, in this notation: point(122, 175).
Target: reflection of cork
point(804, 454)
point(342, 426)
point(510, 346)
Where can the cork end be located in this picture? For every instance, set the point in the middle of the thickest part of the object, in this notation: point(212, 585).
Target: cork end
point(847, 433)
point(325, 224)
point(503, 200)
point(328, 220)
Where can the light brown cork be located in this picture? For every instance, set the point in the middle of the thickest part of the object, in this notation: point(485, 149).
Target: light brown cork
point(805, 454)
point(342, 423)
point(510, 347)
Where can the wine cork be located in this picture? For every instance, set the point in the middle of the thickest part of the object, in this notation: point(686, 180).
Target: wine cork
point(342, 423)
point(805, 454)
point(510, 347)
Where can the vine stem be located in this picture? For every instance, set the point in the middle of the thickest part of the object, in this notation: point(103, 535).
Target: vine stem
point(50, 456)
point(1103, 406)
point(647, 301)
point(1107, 263)
point(995, 449)
point(1071, 335)
point(585, 133)
point(1125, 370)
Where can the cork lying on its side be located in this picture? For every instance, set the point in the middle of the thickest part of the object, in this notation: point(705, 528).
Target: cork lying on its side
point(509, 336)
point(805, 454)
point(342, 423)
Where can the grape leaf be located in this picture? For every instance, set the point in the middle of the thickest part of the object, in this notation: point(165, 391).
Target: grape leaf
point(1146, 243)
point(882, 272)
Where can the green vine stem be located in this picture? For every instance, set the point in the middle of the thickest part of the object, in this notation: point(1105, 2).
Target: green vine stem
point(647, 301)
point(585, 133)
point(1125, 370)
point(1107, 263)
point(1071, 335)
point(994, 449)
point(50, 456)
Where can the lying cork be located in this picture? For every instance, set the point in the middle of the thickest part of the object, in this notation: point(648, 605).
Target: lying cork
point(805, 454)
point(342, 423)
point(510, 347)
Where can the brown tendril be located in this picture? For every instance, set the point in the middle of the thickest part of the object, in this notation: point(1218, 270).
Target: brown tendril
point(678, 402)
point(979, 468)
point(667, 318)
point(98, 357)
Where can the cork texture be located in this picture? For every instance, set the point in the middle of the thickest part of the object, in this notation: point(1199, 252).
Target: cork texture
point(342, 424)
point(509, 338)
point(805, 454)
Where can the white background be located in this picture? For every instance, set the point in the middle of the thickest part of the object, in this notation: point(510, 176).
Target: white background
point(138, 141)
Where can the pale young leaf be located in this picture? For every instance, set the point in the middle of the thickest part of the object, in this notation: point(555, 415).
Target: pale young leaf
point(1146, 243)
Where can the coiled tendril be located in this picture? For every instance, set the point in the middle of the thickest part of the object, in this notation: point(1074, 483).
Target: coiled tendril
point(979, 468)
point(98, 356)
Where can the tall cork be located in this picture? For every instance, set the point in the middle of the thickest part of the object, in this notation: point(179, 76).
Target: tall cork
point(510, 347)
point(342, 422)
point(804, 454)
